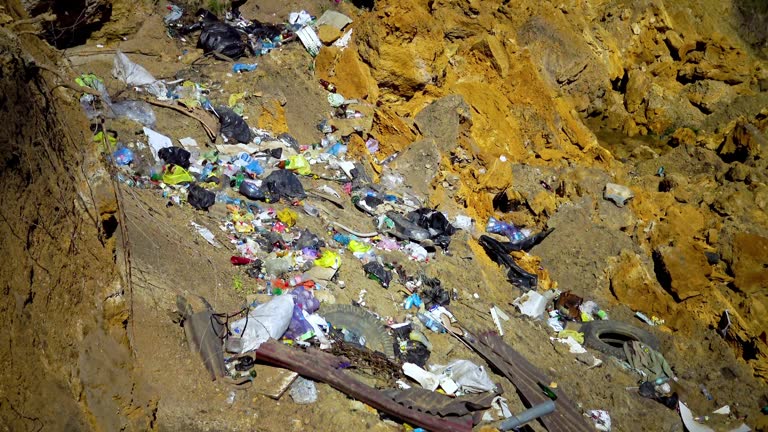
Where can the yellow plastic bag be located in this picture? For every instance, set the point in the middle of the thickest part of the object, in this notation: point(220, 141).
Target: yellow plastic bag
point(298, 163)
point(329, 259)
point(358, 246)
point(243, 227)
point(177, 175)
point(288, 217)
point(105, 142)
point(578, 337)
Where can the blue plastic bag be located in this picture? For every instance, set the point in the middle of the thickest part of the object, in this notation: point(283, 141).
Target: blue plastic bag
point(244, 67)
point(123, 156)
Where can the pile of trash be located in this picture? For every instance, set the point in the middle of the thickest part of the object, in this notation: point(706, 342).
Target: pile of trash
point(262, 180)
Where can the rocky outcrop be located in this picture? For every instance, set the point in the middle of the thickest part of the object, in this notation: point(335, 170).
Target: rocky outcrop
point(634, 285)
point(403, 47)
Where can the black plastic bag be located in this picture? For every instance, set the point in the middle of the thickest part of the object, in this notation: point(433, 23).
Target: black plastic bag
point(432, 220)
point(415, 352)
point(200, 198)
point(527, 243)
point(220, 37)
point(233, 127)
point(435, 295)
point(496, 252)
point(174, 155)
point(308, 239)
point(283, 184)
point(378, 271)
point(252, 191)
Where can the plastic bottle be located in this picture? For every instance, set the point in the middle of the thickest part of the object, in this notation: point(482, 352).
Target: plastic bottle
point(244, 67)
point(239, 178)
point(430, 323)
point(207, 170)
point(222, 197)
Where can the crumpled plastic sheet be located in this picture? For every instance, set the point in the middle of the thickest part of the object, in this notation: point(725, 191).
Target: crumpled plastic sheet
point(135, 75)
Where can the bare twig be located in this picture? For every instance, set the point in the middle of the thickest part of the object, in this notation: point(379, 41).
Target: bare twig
point(210, 124)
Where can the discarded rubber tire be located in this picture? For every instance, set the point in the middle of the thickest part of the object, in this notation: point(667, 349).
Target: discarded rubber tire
point(357, 320)
point(609, 336)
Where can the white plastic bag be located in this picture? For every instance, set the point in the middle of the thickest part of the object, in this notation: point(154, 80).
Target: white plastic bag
point(470, 377)
point(268, 320)
point(135, 75)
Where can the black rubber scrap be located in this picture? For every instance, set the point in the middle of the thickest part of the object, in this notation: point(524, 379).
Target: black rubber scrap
point(499, 254)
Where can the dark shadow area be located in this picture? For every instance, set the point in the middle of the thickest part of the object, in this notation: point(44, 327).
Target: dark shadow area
point(752, 15)
point(75, 20)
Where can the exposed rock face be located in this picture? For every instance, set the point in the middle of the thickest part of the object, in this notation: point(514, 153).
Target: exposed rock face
point(682, 270)
point(404, 50)
point(634, 285)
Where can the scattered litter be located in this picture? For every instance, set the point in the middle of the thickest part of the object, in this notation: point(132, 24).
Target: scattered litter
point(310, 40)
point(134, 75)
point(174, 13)
point(469, 377)
point(123, 156)
point(573, 345)
point(343, 41)
point(157, 141)
point(532, 304)
point(725, 410)
point(303, 391)
point(573, 334)
point(426, 379)
point(690, 424)
point(462, 222)
point(647, 360)
point(300, 18)
point(333, 18)
point(644, 318)
point(244, 67)
point(617, 193)
point(206, 234)
point(602, 420)
point(268, 320)
point(497, 313)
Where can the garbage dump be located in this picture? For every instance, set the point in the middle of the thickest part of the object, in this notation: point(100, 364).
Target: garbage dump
point(344, 273)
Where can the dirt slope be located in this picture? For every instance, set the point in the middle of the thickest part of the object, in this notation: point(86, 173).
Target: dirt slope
point(480, 96)
point(66, 360)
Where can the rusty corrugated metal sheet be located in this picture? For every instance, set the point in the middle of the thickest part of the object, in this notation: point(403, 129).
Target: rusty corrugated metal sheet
point(525, 377)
